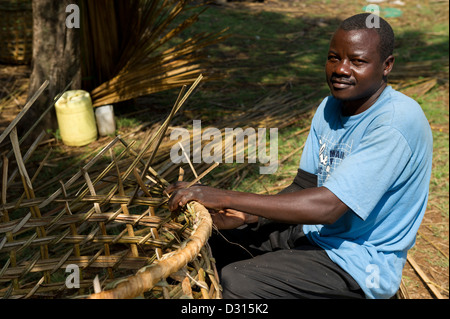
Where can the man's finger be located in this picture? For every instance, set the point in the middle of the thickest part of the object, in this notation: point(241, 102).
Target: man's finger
point(177, 185)
point(178, 199)
point(173, 201)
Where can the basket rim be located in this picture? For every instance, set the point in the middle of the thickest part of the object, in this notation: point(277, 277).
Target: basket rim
point(149, 276)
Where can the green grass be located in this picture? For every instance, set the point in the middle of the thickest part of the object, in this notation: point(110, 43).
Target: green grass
point(126, 122)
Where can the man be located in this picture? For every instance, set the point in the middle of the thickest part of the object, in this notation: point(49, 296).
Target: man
point(344, 226)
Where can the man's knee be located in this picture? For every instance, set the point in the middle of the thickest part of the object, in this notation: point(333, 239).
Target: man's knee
point(236, 282)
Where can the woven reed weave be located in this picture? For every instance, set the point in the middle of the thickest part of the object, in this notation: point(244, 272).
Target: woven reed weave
point(103, 231)
point(16, 31)
point(110, 225)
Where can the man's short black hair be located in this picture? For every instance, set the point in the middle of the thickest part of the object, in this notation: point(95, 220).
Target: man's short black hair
point(384, 30)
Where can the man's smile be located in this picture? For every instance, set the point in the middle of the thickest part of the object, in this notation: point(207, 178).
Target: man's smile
point(340, 83)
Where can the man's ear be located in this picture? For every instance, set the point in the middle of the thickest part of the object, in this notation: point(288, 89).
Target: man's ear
point(388, 65)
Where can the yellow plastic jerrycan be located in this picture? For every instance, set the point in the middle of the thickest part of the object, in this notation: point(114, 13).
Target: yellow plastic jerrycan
point(76, 118)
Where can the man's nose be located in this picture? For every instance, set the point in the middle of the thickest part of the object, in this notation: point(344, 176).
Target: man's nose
point(343, 68)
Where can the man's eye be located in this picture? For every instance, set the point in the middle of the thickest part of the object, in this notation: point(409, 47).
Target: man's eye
point(358, 61)
point(332, 58)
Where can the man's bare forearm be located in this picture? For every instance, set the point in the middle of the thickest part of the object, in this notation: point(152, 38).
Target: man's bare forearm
point(308, 206)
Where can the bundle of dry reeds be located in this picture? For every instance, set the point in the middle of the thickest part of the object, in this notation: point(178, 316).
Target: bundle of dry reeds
point(127, 50)
point(107, 225)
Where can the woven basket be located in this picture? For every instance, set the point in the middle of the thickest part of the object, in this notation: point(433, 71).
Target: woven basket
point(16, 31)
point(103, 234)
point(105, 231)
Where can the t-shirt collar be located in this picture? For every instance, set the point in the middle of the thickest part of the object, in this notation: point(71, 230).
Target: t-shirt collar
point(349, 120)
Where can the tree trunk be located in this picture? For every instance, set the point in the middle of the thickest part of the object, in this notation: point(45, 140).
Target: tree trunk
point(56, 57)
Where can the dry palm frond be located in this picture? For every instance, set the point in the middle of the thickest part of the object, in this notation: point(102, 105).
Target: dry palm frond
point(127, 51)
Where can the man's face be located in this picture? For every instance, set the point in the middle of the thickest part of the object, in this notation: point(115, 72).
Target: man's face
point(354, 69)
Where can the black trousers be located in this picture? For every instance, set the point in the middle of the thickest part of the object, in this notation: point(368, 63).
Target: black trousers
point(276, 261)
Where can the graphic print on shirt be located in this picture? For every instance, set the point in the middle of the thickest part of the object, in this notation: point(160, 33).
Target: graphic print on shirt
point(331, 154)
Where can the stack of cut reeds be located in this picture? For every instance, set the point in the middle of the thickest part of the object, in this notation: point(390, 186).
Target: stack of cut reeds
point(130, 48)
point(103, 232)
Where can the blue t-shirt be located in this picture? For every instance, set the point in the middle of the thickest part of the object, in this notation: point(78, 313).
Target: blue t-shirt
point(379, 164)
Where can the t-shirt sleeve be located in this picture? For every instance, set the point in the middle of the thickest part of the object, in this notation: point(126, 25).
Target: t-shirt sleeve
point(308, 161)
point(310, 154)
point(369, 171)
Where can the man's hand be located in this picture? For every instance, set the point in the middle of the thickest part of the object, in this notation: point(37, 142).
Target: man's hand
point(230, 219)
point(207, 196)
point(212, 199)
